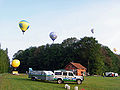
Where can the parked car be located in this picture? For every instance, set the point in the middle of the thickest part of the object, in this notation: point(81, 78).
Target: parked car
point(62, 76)
point(111, 74)
point(116, 75)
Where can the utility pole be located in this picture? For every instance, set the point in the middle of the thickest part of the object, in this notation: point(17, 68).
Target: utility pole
point(88, 67)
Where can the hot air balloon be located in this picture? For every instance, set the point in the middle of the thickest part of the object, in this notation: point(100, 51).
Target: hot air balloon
point(92, 30)
point(15, 64)
point(115, 49)
point(24, 25)
point(53, 36)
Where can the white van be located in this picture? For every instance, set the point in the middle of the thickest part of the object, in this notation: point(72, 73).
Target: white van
point(61, 76)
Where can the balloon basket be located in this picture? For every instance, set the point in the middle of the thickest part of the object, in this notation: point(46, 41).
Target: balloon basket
point(15, 73)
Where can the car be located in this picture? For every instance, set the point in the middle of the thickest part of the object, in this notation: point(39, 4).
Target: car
point(116, 74)
point(111, 74)
point(62, 76)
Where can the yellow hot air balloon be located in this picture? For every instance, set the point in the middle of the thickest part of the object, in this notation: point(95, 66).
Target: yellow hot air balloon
point(115, 49)
point(24, 25)
point(15, 63)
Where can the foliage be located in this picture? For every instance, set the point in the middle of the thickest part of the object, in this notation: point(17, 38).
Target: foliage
point(111, 60)
point(4, 61)
point(86, 51)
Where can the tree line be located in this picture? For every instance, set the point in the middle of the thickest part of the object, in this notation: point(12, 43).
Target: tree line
point(96, 57)
point(4, 61)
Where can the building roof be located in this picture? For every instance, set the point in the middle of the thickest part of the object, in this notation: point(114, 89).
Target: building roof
point(77, 65)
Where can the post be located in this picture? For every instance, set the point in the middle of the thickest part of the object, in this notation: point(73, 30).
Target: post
point(68, 87)
point(88, 67)
point(76, 88)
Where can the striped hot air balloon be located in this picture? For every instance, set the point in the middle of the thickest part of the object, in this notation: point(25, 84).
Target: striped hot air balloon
point(24, 25)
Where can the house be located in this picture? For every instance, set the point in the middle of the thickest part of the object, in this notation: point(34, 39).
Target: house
point(77, 68)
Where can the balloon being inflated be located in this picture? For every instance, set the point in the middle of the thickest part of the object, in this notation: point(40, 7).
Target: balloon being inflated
point(15, 63)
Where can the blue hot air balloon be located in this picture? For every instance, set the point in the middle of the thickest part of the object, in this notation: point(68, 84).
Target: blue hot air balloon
point(92, 30)
point(53, 36)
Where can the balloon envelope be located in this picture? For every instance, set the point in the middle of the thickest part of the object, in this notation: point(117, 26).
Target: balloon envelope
point(115, 49)
point(15, 63)
point(53, 36)
point(24, 25)
point(92, 30)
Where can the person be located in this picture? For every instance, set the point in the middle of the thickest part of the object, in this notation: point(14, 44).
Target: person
point(112, 75)
point(103, 75)
point(26, 72)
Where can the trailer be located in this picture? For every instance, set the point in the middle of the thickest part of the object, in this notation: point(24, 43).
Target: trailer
point(42, 75)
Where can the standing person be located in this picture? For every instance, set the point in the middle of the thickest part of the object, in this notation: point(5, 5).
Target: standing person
point(103, 75)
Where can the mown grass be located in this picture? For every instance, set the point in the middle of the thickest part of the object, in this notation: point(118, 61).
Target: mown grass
point(22, 82)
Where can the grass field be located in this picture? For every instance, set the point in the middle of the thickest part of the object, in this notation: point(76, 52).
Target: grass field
point(22, 82)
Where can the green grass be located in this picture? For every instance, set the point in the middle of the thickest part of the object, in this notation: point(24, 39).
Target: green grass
point(22, 82)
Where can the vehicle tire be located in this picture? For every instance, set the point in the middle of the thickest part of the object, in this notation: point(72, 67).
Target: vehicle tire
point(79, 82)
point(59, 81)
point(33, 79)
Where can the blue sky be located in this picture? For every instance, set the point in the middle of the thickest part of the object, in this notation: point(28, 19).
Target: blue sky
point(68, 18)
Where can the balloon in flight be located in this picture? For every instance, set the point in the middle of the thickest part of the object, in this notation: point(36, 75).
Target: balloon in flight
point(15, 63)
point(24, 25)
point(53, 35)
point(92, 30)
point(115, 49)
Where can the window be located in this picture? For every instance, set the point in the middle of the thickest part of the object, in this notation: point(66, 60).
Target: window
point(81, 72)
point(58, 73)
point(73, 67)
point(70, 74)
point(75, 72)
point(65, 73)
point(68, 67)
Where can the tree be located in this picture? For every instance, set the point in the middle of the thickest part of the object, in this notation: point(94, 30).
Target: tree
point(112, 61)
point(86, 51)
point(68, 42)
point(4, 61)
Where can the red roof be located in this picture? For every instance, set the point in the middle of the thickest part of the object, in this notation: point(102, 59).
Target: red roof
point(77, 65)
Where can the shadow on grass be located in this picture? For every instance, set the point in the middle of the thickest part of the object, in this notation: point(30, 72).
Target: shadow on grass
point(19, 79)
point(54, 83)
point(43, 81)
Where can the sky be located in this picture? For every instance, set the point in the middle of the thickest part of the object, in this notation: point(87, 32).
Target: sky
point(68, 18)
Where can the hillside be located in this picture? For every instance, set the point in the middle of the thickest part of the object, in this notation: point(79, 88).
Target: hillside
point(96, 57)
